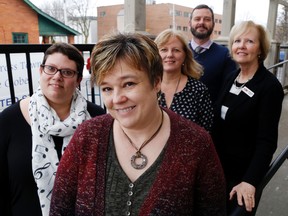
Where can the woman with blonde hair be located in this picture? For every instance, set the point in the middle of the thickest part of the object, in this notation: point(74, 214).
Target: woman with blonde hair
point(181, 89)
point(247, 114)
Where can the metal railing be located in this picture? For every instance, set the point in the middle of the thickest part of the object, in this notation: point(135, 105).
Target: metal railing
point(275, 165)
point(27, 50)
point(283, 65)
point(278, 65)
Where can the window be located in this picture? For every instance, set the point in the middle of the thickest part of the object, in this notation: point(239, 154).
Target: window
point(185, 28)
point(102, 13)
point(178, 13)
point(20, 38)
point(186, 14)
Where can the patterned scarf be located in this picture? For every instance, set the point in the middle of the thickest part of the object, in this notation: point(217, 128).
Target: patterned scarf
point(44, 124)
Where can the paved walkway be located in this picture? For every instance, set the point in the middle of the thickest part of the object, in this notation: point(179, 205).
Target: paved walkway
point(274, 201)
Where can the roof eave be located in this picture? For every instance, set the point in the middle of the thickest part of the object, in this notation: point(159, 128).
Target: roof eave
point(57, 22)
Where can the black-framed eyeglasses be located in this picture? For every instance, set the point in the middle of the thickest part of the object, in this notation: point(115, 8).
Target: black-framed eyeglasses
point(51, 70)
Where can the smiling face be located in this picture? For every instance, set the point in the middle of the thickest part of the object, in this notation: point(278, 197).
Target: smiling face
point(58, 89)
point(173, 55)
point(129, 96)
point(202, 23)
point(246, 47)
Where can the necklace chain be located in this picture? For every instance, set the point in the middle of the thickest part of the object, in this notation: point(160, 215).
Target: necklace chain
point(242, 85)
point(177, 84)
point(138, 153)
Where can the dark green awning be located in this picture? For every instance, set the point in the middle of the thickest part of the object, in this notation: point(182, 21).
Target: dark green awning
point(49, 26)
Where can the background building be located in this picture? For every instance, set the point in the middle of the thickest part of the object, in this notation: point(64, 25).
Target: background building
point(22, 22)
point(158, 18)
point(80, 39)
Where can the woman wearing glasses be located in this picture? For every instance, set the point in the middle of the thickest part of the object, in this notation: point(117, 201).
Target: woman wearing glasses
point(35, 131)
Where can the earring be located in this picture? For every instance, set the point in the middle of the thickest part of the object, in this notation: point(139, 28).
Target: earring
point(159, 95)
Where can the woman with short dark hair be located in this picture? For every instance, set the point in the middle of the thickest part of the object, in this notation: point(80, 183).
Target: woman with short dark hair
point(36, 130)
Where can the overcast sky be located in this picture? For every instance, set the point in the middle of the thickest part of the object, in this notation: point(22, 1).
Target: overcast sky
point(256, 10)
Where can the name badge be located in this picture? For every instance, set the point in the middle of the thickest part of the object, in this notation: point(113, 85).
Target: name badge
point(248, 91)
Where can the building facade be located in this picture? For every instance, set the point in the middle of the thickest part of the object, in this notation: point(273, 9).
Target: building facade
point(158, 18)
point(21, 22)
point(14, 26)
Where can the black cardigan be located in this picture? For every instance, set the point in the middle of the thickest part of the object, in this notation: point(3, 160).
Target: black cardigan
point(247, 139)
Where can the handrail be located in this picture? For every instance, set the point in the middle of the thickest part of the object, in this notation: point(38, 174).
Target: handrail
point(278, 64)
point(275, 165)
point(285, 87)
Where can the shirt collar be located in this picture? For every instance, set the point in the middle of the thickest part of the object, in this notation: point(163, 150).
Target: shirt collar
point(205, 45)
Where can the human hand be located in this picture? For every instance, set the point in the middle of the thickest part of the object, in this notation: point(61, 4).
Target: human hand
point(246, 192)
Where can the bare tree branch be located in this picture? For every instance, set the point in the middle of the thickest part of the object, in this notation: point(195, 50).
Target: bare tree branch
point(77, 14)
point(282, 26)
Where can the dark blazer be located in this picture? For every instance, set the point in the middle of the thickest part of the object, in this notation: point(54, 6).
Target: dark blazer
point(247, 138)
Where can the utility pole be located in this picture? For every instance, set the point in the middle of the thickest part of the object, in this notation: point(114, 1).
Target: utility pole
point(65, 12)
point(135, 15)
point(174, 24)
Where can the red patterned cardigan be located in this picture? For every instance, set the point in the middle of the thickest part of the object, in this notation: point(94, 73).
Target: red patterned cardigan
point(190, 180)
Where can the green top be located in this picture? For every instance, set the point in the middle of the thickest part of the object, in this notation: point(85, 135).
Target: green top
point(123, 197)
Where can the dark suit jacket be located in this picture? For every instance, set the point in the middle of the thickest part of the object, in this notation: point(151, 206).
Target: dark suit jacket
point(247, 138)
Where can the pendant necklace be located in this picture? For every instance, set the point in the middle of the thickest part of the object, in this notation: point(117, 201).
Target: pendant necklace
point(138, 154)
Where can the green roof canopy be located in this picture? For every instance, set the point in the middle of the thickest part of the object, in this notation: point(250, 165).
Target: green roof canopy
point(49, 25)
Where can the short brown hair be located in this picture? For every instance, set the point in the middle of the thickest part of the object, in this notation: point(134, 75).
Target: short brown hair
point(68, 50)
point(136, 49)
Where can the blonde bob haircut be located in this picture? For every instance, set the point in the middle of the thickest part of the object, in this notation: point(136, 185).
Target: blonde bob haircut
point(137, 50)
point(190, 66)
point(263, 37)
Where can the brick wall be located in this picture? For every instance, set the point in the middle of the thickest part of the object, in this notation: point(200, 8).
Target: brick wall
point(158, 18)
point(16, 16)
point(107, 19)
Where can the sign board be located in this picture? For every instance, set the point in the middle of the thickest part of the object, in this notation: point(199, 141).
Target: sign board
point(20, 79)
